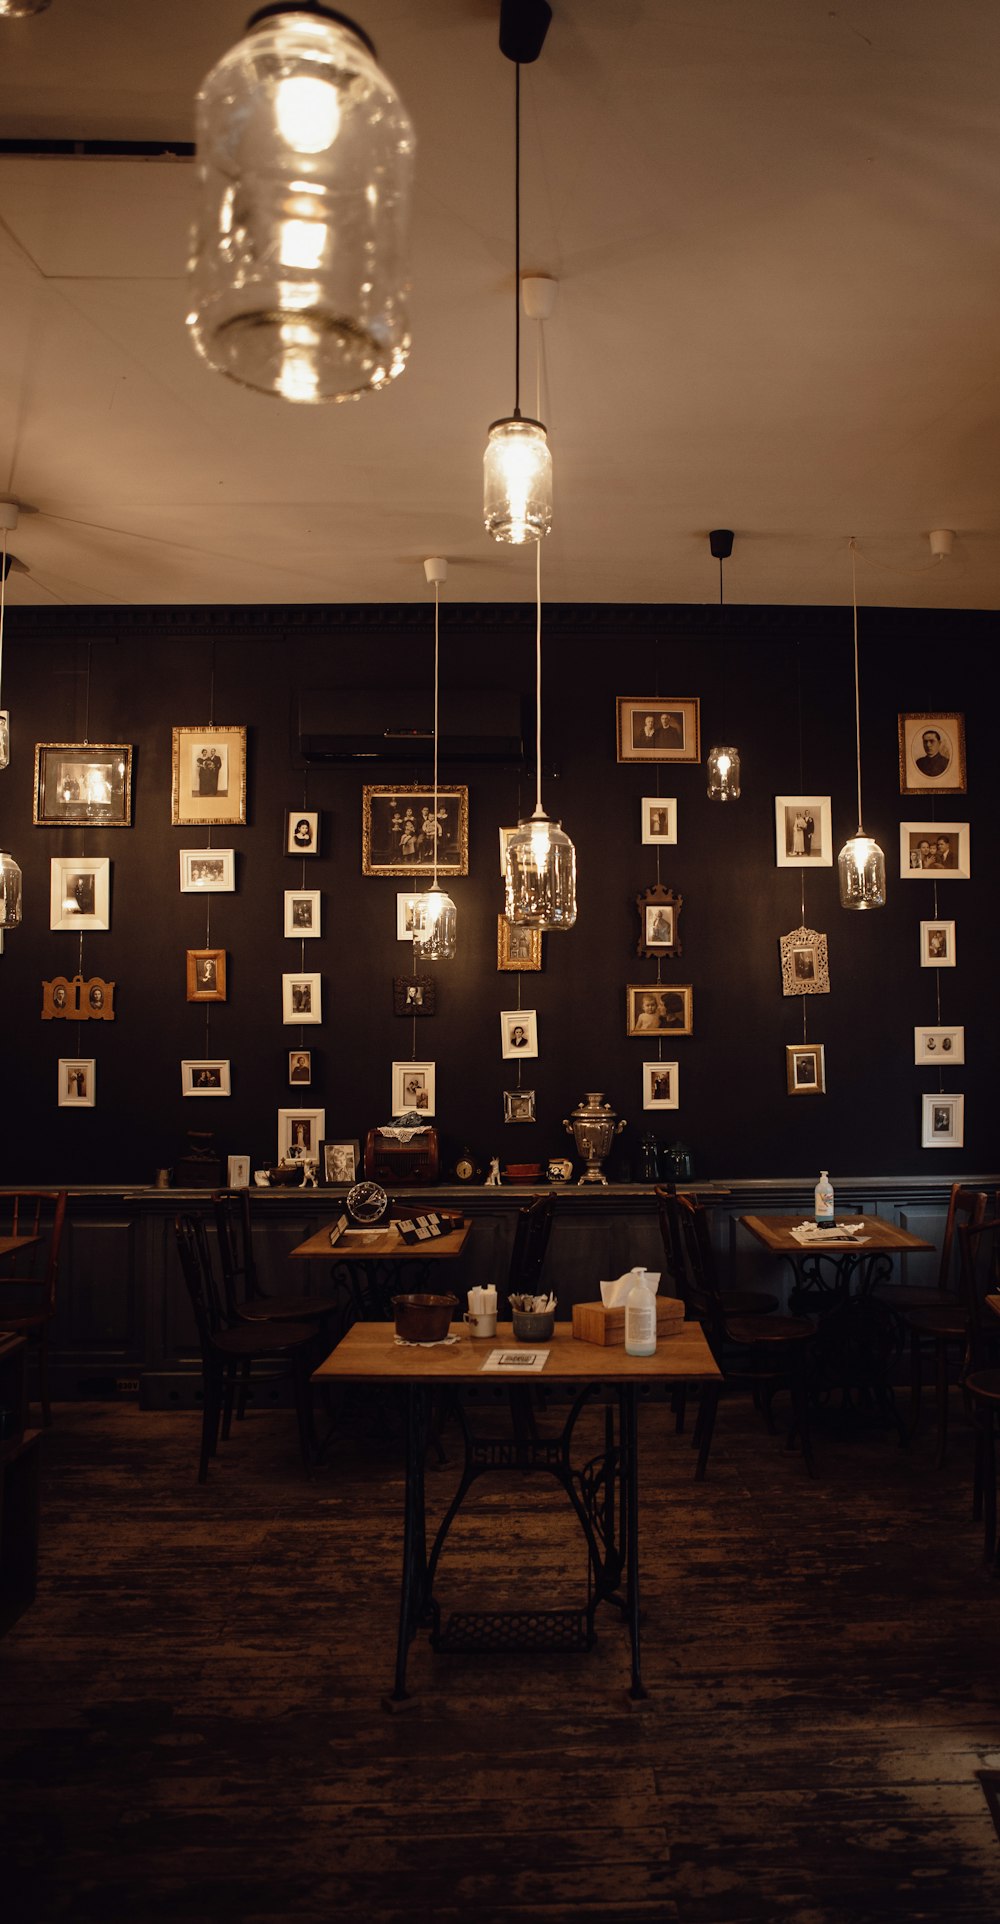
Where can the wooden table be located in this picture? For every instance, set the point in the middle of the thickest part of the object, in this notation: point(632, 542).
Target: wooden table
point(603, 1492)
point(366, 1262)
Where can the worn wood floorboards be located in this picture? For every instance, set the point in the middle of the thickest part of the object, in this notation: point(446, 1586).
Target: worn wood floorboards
point(192, 1724)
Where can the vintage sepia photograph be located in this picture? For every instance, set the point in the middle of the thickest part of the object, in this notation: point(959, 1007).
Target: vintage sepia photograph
point(301, 998)
point(413, 1088)
point(409, 917)
point(661, 1085)
point(237, 1172)
point(937, 945)
point(805, 1069)
point(932, 754)
point(80, 892)
point(802, 831)
point(209, 767)
point(302, 913)
point(659, 818)
point(519, 1033)
point(519, 1105)
point(400, 826)
point(414, 995)
point(83, 782)
point(938, 1044)
point(205, 1078)
point(505, 835)
point(302, 832)
point(206, 975)
point(300, 1065)
point(208, 871)
point(518, 947)
point(659, 728)
point(939, 849)
point(77, 1082)
point(654, 1009)
point(805, 967)
point(339, 1162)
point(942, 1122)
point(300, 1132)
point(659, 914)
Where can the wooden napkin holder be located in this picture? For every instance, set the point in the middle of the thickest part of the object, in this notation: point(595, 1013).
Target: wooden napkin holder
point(593, 1323)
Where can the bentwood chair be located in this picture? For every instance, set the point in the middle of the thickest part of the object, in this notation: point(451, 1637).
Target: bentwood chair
point(979, 1246)
point(28, 1278)
point(736, 1302)
point(286, 1346)
point(762, 1352)
point(246, 1302)
point(940, 1321)
point(531, 1240)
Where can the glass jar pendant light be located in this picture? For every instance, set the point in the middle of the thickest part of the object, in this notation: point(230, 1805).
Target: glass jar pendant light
point(722, 767)
point(10, 892)
point(517, 464)
point(540, 865)
point(435, 915)
point(298, 256)
point(861, 863)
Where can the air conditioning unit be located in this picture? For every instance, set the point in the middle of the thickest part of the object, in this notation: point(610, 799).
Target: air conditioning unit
point(395, 725)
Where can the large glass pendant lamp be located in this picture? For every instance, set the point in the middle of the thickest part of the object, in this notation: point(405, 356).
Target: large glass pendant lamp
point(722, 767)
point(861, 863)
point(436, 918)
point(540, 867)
point(18, 9)
point(10, 892)
point(8, 522)
point(517, 464)
point(298, 256)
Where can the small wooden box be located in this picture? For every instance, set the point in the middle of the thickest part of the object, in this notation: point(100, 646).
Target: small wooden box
point(592, 1323)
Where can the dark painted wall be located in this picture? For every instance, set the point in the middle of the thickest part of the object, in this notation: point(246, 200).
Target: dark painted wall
point(777, 681)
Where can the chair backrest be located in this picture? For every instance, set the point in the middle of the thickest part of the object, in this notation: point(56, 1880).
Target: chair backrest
point(41, 1213)
point(199, 1276)
point(965, 1206)
point(979, 1248)
point(706, 1296)
point(234, 1229)
point(531, 1240)
point(672, 1238)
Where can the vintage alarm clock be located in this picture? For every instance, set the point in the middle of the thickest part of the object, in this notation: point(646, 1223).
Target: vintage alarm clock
point(466, 1167)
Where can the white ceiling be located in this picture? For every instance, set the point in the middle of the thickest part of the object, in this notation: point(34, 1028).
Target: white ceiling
point(776, 230)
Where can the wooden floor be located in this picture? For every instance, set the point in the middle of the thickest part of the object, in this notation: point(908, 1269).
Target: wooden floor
point(192, 1724)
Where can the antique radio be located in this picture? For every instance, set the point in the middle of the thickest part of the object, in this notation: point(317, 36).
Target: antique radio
point(392, 1162)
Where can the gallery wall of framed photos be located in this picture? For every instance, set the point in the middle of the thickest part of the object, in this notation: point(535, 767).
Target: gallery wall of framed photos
point(794, 1035)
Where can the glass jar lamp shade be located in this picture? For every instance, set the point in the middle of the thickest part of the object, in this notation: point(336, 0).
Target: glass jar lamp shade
point(723, 771)
point(298, 256)
point(10, 892)
point(436, 920)
point(4, 737)
point(517, 481)
point(540, 874)
point(18, 9)
point(861, 873)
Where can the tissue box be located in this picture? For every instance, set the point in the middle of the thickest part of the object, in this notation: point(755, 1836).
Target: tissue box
point(592, 1323)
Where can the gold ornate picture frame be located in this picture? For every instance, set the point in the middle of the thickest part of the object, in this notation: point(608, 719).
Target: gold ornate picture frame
point(518, 947)
point(398, 830)
point(208, 775)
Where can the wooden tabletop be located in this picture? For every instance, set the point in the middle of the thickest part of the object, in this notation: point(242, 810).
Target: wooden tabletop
point(369, 1350)
point(993, 1303)
point(9, 1245)
point(775, 1232)
point(375, 1246)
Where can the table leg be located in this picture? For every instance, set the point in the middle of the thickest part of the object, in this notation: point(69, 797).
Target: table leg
point(629, 1428)
point(414, 1579)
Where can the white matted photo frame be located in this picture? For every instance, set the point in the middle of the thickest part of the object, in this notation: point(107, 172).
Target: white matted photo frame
point(937, 945)
point(77, 1085)
point(208, 871)
point(303, 913)
point(939, 849)
point(805, 1069)
point(938, 1043)
point(209, 769)
point(413, 1088)
point(301, 997)
point(518, 1034)
point(519, 1105)
point(87, 782)
point(658, 818)
point(238, 1172)
point(932, 753)
point(518, 947)
point(942, 1122)
point(300, 1132)
point(805, 962)
point(653, 1008)
point(80, 892)
point(302, 832)
point(505, 836)
point(399, 826)
point(658, 728)
point(661, 1085)
point(339, 1162)
point(803, 835)
point(410, 914)
point(206, 1077)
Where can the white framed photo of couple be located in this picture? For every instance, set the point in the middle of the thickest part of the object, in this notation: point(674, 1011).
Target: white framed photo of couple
point(205, 1078)
point(77, 1082)
point(301, 998)
point(803, 836)
point(659, 818)
point(302, 913)
point(413, 1088)
point(661, 1085)
point(938, 1044)
point(937, 945)
point(518, 1033)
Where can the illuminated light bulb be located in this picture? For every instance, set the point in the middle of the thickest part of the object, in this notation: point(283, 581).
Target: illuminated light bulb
point(308, 114)
point(723, 769)
point(540, 875)
point(436, 933)
point(517, 481)
point(10, 892)
point(861, 873)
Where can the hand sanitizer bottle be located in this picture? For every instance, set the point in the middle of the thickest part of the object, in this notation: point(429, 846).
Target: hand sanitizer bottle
point(824, 1200)
point(640, 1317)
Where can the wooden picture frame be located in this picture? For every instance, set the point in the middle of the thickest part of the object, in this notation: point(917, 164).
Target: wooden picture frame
point(805, 1069)
point(658, 728)
point(301, 997)
point(414, 995)
point(208, 871)
point(300, 1132)
point(936, 849)
point(942, 1122)
point(77, 1084)
point(519, 947)
point(397, 829)
point(413, 1089)
point(80, 892)
point(206, 975)
point(932, 753)
point(78, 999)
point(937, 945)
point(339, 1162)
point(302, 832)
point(659, 1008)
point(805, 962)
point(208, 774)
point(303, 914)
point(937, 1042)
point(83, 782)
point(518, 1034)
point(658, 819)
point(206, 1077)
point(659, 915)
point(803, 832)
point(661, 1085)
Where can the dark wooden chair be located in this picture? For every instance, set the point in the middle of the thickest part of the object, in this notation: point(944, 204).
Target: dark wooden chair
point(764, 1352)
point(226, 1349)
point(938, 1319)
point(979, 1248)
point(736, 1302)
point(28, 1279)
point(246, 1302)
point(531, 1240)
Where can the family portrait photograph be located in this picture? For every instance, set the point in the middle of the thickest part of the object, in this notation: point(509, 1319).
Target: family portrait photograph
point(659, 818)
point(83, 782)
point(939, 849)
point(938, 1044)
point(205, 1078)
point(413, 1089)
point(401, 827)
point(209, 768)
point(659, 728)
point(658, 1010)
point(208, 871)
